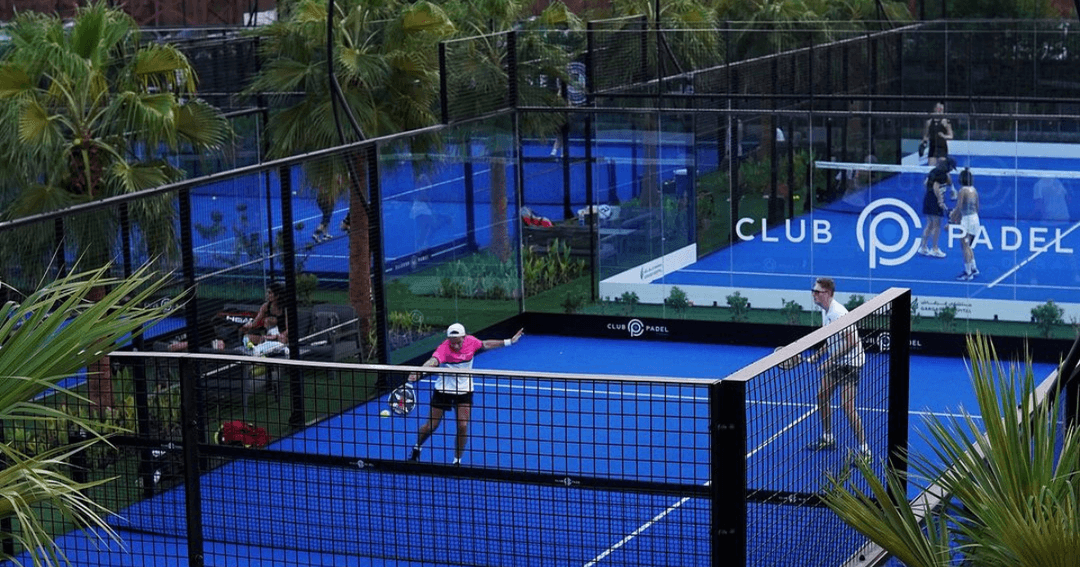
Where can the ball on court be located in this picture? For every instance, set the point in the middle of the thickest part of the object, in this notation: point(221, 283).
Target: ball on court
point(385, 413)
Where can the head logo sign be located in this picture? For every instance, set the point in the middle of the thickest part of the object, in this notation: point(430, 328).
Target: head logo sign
point(575, 90)
point(896, 250)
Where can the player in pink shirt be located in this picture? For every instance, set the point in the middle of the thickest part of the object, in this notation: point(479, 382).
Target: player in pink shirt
point(454, 391)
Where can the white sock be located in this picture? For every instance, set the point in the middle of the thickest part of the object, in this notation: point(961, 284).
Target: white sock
point(864, 449)
point(827, 436)
point(457, 460)
point(416, 447)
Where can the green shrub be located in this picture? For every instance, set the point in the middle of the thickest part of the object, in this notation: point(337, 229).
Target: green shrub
point(630, 300)
point(573, 302)
point(854, 301)
point(947, 316)
point(739, 305)
point(481, 276)
point(1047, 317)
point(677, 300)
point(551, 269)
point(792, 311)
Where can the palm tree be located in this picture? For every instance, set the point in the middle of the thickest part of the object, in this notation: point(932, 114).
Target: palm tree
point(50, 335)
point(86, 114)
point(478, 82)
point(1012, 493)
point(385, 59)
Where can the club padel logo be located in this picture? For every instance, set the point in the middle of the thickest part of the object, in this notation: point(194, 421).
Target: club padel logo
point(890, 237)
point(637, 328)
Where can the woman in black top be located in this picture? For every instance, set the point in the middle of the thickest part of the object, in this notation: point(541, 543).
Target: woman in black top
point(937, 132)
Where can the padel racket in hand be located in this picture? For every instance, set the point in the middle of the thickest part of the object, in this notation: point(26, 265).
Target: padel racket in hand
point(402, 399)
point(791, 362)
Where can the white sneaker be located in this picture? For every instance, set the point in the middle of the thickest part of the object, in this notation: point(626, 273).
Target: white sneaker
point(924, 251)
point(937, 253)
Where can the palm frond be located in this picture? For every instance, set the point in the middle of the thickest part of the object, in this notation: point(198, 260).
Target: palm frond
point(163, 68)
point(36, 126)
point(39, 197)
point(29, 481)
point(54, 332)
point(14, 81)
point(201, 125)
point(1010, 479)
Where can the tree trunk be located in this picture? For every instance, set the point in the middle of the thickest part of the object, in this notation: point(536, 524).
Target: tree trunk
point(99, 374)
point(360, 253)
point(500, 234)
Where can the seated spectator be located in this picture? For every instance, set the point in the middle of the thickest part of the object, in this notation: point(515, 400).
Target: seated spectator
point(269, 330)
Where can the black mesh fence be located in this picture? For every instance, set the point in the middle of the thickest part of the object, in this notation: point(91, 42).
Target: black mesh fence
point(559, 469)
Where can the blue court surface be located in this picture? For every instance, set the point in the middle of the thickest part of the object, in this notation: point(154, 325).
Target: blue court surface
point(333, 516)
point(867, 240)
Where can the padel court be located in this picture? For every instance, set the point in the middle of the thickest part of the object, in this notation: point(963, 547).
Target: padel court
point(383, 513)
point(865, 238)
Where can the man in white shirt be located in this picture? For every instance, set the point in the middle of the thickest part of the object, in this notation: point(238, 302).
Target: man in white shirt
point(843, 361)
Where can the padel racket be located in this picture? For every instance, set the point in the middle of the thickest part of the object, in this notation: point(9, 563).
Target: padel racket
point(402, 399)
point(791, 362)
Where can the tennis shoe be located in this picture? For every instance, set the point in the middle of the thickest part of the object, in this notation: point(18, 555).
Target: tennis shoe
point(414, 455)
point(964, 277)
point(974, 272)
point(937, 253)
point(822, 444)
point(924, 251)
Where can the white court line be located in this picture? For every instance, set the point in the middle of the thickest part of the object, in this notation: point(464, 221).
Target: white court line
point(1036, 254)
point(641, 529)
point(656, 519)
point(612, 393)
point(812, 405)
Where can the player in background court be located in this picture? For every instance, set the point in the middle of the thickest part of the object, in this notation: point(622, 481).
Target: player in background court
point(934, 206)
point(936, 135)
point(967, 209)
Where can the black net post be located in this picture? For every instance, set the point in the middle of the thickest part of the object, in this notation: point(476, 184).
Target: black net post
point(296, 379)
point(444, 91)
point(1069, 378)
point(187, 249)
point(899, 369)
point(727, 430)
point(191, 434)
point(142, 417)
point(7, 544)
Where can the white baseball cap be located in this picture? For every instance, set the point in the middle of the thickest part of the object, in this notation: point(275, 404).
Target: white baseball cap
point(455, 330)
